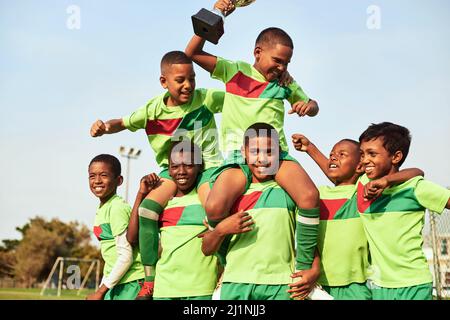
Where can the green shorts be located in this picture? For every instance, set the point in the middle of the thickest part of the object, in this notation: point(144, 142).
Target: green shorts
point(419, 292)
point(249, 291)
point(237, 161)
point(187, 298)
point(353, 291)
point(202, 178)
point(124, 291)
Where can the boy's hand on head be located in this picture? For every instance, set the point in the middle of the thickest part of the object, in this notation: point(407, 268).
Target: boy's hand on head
point(375, 188)
point(306, 281)
point(99, 128)
point(235, 224)
point(148, 183)
point(225, 6)
point(301, 143)
point(285, 79)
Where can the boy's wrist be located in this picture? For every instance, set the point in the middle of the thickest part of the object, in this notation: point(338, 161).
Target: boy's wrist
point(387, 180)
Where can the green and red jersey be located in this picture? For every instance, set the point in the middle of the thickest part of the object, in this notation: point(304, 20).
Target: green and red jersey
point(183, 270)
point(342, 243)
point(265, 255)
point(249, 99)
point(194, 120)
point(393, 223)
point(112, 219)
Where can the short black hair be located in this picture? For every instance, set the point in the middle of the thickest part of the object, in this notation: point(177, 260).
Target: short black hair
point(187, 145)
point(354, 142)
point(174, 57)
point(112, 161)
point(274, 36)
point(260, 129)
point(395, 137)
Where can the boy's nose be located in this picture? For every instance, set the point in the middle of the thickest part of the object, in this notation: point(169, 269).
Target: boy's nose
point(262, 158)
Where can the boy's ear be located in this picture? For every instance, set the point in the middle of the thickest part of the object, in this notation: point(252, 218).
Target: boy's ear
point(397, 157)
point(119, 180)
point(257, 53)
point(243, 152)
point(163, 81)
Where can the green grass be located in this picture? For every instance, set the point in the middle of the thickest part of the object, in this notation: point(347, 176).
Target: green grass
point(34, 294)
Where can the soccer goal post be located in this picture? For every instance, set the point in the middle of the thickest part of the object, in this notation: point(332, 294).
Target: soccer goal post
point(60, 261)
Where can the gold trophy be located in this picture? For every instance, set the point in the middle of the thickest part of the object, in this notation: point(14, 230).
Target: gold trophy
point(209, 24)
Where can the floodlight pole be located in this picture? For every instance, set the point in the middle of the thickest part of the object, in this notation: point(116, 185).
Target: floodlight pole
point(129, 153)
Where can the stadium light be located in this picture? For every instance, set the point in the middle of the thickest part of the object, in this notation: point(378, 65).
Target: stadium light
point(129, 153)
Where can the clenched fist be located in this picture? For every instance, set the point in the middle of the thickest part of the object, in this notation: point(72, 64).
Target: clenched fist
point(99, 128)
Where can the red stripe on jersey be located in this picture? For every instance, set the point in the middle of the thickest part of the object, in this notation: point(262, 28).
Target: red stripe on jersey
point(97, 232)
point(246, 202)
point(170, 217)
point(329, 208)
point(165, 127)
point(363, 204)
point(244, 86)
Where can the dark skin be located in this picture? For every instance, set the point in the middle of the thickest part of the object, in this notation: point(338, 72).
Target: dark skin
point(235, 224)
point(103, 183)
point(180, 169)
point(147, 184)
point(344, 167)
point(260, 157)
point(382, 167)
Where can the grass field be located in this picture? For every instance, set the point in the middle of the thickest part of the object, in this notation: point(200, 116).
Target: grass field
point(34, 294)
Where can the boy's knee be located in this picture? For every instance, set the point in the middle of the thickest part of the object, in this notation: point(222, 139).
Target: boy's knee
point(309, 198)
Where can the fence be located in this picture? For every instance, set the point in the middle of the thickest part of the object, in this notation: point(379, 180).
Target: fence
point(437, 240)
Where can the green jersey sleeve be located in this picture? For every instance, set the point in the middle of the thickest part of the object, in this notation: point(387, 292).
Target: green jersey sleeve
point(138, 119)
point(431, 195)
point(224, 70)
point(214, 100)
point(119, 218)
point(297, 93)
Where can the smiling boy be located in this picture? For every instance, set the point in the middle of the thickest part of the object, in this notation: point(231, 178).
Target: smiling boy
point(261, 258)
point(182, 271)
point(254, 94)
point(393, 222)
point(123, 273)
point(342, 243)
point(182, 111)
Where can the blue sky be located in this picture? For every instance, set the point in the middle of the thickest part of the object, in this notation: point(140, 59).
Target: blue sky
point(54, 82)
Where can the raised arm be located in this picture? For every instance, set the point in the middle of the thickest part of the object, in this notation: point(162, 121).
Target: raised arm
point(375, 187)
point(194, 50)
point(100, 128)
point(146, 185)
point(303, 144)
